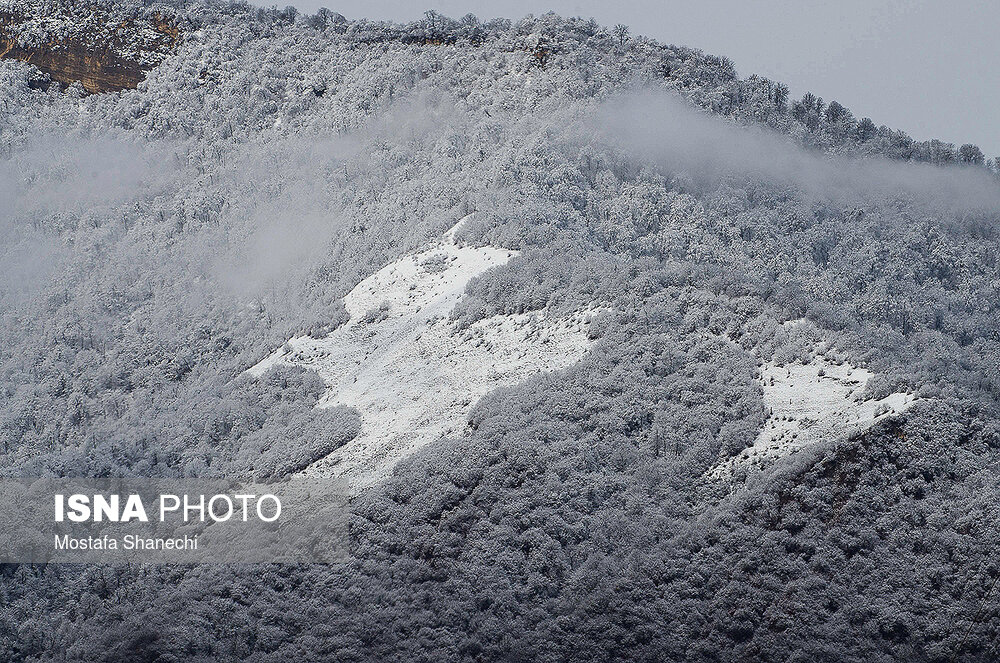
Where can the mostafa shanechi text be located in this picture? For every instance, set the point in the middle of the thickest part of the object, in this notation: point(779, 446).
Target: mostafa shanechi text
point(157, 521)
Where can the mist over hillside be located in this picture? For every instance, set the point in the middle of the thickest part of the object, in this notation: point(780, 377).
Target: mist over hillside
point(707, 245)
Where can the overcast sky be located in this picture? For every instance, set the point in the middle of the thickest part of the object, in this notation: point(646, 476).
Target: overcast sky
point(931, 68)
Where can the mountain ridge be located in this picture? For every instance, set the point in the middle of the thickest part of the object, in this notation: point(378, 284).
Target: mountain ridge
point(266, 180)
point(753, 99)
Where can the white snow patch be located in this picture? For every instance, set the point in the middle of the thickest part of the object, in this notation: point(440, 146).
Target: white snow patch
point(412, 373)
point(820, 400)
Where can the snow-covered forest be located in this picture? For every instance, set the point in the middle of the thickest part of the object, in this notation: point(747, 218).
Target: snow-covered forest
point(157, 244)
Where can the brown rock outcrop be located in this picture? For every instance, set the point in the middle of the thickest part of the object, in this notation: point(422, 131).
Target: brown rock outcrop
point(98, 67)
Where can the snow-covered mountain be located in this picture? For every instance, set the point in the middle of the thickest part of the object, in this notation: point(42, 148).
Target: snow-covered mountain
point(627, 357)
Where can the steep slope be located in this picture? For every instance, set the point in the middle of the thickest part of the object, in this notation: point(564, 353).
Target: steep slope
point(412, 372)
point(283, 176)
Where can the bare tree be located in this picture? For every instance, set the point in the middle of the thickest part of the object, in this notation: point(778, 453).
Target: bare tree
point(620, 32)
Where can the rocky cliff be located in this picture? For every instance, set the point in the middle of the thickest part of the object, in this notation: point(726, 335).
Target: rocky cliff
point(105, 52)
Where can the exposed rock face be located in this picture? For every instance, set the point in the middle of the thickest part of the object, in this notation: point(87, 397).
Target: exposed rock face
point(104, 61)
point(97, 72)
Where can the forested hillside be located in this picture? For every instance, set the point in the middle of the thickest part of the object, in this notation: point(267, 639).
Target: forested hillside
point(157, 242)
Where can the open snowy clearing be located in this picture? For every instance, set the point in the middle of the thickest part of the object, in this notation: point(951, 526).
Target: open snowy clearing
point(808, 403)
point(412, 374)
